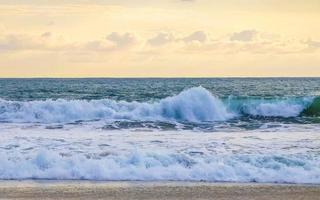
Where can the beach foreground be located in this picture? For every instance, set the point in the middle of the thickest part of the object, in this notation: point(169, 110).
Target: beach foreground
point(153, 190)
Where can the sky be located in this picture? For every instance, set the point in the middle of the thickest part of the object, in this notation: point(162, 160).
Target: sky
point(159, 38)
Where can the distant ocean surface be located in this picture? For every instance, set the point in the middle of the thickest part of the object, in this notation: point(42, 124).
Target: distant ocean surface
point(215, 130)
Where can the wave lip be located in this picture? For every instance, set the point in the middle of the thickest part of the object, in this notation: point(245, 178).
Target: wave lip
point(192, 105)
point(195, 104)
point(279, 108)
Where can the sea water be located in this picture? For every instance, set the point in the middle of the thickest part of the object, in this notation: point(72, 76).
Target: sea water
point(215, 130)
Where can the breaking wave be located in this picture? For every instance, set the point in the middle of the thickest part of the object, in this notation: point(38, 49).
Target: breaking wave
point(195, 105)
point(163, 166)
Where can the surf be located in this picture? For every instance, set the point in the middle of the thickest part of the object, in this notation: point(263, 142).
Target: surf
point(313, 109)
point(162, 166)
point(195, 104)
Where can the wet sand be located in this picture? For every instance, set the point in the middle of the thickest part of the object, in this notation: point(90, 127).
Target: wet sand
point(154, 190)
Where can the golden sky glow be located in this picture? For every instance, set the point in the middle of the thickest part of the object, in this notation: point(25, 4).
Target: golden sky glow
point(152, 38)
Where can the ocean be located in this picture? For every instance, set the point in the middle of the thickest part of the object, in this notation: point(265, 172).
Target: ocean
point(264, 130)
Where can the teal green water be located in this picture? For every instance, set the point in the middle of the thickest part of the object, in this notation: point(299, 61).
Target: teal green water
point(205, 104)
point(150, 89)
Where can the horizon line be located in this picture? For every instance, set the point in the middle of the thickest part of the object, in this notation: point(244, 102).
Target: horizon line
point(155, 77)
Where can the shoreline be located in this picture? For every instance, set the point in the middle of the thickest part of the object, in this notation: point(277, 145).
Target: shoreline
point(52, 189)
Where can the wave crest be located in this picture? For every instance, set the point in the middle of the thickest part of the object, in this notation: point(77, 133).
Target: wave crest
point(279, 108)
point(195, 104)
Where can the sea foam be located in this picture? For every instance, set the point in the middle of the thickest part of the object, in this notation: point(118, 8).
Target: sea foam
point(195, 105)
point(163, 166)
point(279, 108)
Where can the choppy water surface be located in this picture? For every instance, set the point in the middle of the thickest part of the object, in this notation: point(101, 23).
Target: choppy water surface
point(243, 130)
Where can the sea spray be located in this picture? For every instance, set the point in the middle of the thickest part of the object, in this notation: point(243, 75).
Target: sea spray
point(195, 105)
point(163, 166)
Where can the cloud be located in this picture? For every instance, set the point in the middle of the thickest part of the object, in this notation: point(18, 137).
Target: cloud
point(98, 45)
point(252, 42)
point(49, 42)
point(166, 38)
point(121, 40)
point(244, 36)
point(198, 36)
point(13, 42)
point(194, 42)
point(313, 44)
point(113, 42)
point(25, 42)
point(161, 39)
point(46, 34)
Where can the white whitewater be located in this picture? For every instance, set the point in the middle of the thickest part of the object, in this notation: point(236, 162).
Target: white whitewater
point(194, 105)
point(33, 152)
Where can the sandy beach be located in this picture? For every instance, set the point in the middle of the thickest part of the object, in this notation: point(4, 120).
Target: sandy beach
point(153, 190)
